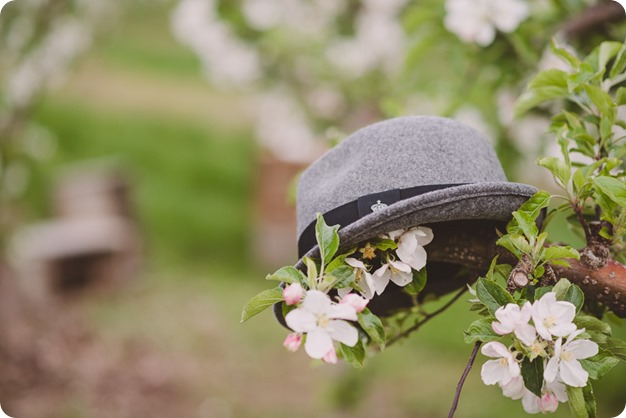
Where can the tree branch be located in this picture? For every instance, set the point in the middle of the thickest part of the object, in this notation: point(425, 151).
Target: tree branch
point(427, 318)
point(593, 19)
point(459, 386)
point(467, 247)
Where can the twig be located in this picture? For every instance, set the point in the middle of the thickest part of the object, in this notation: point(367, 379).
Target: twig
point(459, 386)
point(427, 318)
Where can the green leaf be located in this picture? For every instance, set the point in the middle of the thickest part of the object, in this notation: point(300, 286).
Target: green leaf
point(605, 52)
point(492, 295)
point(575, 296)
point(534, 205)
point(372, 325)
point(577, 402)
point(613, 188)
point(526, 225)
point(540, 291)
point(261, 302)
point(601, 99)
point(515, 243)
point(532, 373)
point(536, 96)
point(327, 239)
point(561, 288)
point(619, 65)
point(480, 330)
point(549, 78)
point(620, 95)
point(418, 283)
point(354, 356)
point(564, 54)
point(311, 272)
point(599, 365)
point(616, 347)
point(384, 244)
point(340, 277)
point(597, 329)
point(556, 253)
point(590, 401)
point(288, 274)
point(559, 169)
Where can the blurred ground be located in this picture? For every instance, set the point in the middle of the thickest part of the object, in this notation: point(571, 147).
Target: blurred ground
point(170, 344)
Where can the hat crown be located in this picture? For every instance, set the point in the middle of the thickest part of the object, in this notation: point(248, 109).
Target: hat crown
point(396, 154)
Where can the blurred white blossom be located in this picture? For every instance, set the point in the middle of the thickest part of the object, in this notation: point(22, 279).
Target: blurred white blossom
point(476, 21)
point(226, 60)
point(48, 62)
point(379, 41)
point(283, 128)
point(474, 118)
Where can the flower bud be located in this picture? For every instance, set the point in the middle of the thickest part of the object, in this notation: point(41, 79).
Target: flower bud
point(330, 357)
point(293, 294)
point(292, 342)
point(357, 302)
point(548, 402)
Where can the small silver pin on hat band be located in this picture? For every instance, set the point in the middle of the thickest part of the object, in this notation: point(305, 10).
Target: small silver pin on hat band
point(378, 206)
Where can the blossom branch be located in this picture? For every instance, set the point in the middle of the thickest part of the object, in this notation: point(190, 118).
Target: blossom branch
point(467, 247)
point(426, 318)
point(459, 386)
point(593, 19)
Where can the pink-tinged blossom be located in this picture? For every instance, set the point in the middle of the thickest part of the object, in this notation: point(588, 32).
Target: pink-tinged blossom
point(514, 319)
point(411, 246)
point(395, 271)
point(552, 394)
point(501, 370)
point(330, 357)
point(565, 365)
point(292, 342)
point(357, 302)
point(323, 321)
point(293, 294)
point(552, 317)
point(363, 279)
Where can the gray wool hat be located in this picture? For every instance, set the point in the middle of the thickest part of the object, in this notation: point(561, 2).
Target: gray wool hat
point(400, 173)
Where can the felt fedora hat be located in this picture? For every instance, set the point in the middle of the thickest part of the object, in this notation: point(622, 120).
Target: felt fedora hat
point(400, 173)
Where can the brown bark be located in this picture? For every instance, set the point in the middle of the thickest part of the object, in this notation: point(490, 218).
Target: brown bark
point(593, 19)
point(469, 248)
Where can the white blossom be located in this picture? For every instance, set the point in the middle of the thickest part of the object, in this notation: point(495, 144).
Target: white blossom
point(502, 370)
point(293, 293)
point(411, 246)
point(363, 279)
point(513, 319)
point(357, 302)
point(323, 321)
point(552, 317)
point(565, 365)
point(398, 272)
point(476, 21)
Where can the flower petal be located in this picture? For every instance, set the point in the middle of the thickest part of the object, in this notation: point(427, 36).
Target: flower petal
point(343, 311)
point(551, 370)
point(564, 312)
point(318, 343)
point(526, 333)
point(343, 332)
point(495, 349)
point(415, 259)
point(563, 329)
point(423, 235)
point(515, 389)
point(493, 372)
point(401, 278)
point(316, 302)
point(353, 262)
point(300, 320)
point(400, 266)
point(572, 373)
point(530, 402)
point(501, 329)
point(559, 390)
point(582, 349)
point(379, 283)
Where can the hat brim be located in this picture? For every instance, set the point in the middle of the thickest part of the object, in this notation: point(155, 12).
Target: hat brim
point(480, 201)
